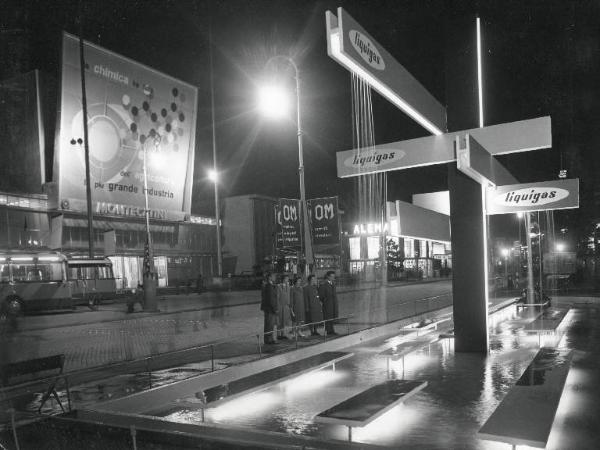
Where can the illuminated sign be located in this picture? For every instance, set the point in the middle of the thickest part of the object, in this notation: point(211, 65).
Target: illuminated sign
point(135, 113)
point(201, 220)
point(558, 194)
point(370, 228)
point(502, 139)
point(351, 46)
point(324, 221)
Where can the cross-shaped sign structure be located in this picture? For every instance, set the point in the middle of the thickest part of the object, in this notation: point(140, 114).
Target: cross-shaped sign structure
point(474, 151)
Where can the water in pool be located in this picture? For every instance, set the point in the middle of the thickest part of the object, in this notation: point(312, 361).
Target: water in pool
point(463, 390)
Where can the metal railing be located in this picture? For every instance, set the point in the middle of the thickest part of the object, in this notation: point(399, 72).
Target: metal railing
point(246, 345)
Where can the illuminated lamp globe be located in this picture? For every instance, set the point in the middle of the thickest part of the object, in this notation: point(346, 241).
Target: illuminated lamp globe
point(273, 102)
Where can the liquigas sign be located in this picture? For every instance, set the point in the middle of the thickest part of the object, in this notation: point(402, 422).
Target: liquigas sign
point(372, 160)
point(366, 49)
point(559, 194)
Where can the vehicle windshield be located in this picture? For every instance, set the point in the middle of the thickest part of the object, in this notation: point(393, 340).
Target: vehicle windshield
point(41, 271)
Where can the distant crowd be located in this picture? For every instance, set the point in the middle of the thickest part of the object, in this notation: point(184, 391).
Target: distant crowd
point(294, 306)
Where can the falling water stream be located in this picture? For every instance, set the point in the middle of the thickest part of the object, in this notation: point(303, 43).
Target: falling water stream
point(370, 188)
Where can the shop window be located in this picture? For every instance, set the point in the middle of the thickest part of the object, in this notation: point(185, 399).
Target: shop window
point(354, 244)
point(373, 245)
point(409, 249)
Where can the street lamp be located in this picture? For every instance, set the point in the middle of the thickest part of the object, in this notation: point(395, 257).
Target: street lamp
point(560, 247)
point(149, 285)
point(272, 102)
point(213, 176)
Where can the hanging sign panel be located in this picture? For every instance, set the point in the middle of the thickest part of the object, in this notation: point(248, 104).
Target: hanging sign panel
point(324, 221)
point(351, 46)
point(288, 219)
point(502, 139)
point(514, 198)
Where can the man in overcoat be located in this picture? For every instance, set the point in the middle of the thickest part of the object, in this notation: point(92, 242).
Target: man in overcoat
point(312, 302)
point(269, 307)
point(328, 298)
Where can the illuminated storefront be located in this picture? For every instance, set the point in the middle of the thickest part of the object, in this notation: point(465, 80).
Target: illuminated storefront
point(182, 250)
point(416, 242)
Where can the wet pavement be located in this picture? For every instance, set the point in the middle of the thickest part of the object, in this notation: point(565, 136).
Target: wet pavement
point(112, 358)
point(463, 391)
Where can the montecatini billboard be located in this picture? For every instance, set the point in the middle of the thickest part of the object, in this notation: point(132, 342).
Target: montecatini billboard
point(133, 111)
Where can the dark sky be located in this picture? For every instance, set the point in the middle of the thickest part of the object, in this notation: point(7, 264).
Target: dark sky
point(541, 58)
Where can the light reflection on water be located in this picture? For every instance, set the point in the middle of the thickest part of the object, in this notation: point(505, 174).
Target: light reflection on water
point(463, 391)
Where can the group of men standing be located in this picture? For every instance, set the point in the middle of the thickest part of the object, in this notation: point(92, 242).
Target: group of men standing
point(286, 305)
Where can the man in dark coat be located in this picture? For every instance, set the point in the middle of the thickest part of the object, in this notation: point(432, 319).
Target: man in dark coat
point(328, 298)
point(269, 306)
point(312, 302)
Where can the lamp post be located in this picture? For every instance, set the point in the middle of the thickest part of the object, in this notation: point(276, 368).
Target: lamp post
point(213, 175)
point(149, 284)
point(271, 104)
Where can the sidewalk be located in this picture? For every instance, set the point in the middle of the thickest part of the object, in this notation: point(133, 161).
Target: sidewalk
point(170, 304)
point(117, 309)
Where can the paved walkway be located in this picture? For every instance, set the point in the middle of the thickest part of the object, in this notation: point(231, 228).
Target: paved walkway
point(109, 335)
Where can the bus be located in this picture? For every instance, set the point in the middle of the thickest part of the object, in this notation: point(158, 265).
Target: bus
point(33, 281)
point(91, 279)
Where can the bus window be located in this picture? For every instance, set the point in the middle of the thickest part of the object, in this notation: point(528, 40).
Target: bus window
point(23, 272)
point(51, 271)
point(73, 273)
point(4, 273)
point(104, 272)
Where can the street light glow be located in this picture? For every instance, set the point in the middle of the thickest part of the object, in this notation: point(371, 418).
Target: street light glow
point(560, 246)
point(273, 101)
point(505, 252)
point(213, 175)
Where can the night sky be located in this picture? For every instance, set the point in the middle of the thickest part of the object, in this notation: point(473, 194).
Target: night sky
point(541, 58)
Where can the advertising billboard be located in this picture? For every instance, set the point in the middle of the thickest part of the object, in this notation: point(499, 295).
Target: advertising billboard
point(288, 223)
point(134, 113)
point(324, 220)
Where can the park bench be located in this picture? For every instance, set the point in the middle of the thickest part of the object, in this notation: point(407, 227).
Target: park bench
point(526, 414)
point(368, 405)
point(215, 395)
point(399, 351)
point(549, 320)
point(35, 366)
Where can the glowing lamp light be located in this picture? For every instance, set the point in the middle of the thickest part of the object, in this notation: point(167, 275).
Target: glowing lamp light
point(380, 87)
point(273, 102)
point(520, 215)
point(505, 252)
point(560, 247)
point(158, 159)
point(213, 175)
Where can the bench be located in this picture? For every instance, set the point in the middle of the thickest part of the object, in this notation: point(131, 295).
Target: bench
point(215, 395)
point(399, 351)
point(533, 305)
point(549, 320)
point(525, 415)
point(368, 405)
point(33, 366)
